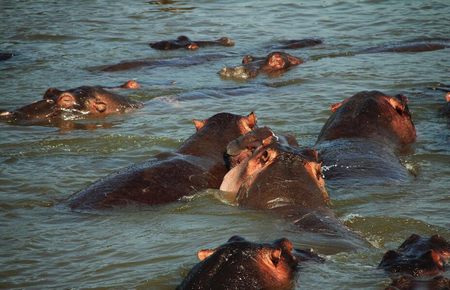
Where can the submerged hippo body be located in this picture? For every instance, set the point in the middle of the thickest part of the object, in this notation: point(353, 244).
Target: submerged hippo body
point(288, 182)
point(152, 63)
point(197, 165)
point(274, 63)
point(81, 102)
point(184, 42)
point(5, 56)
point(409, 47)
point(298, 43)
point(240, 264)
point(418, 263)
point(362, 136)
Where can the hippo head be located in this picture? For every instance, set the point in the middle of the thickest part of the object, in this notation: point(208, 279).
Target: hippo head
point(418, 256)
point(371, 114)
point(240, 264)
point(276, 176)
point(273, 64)
point(75, 103)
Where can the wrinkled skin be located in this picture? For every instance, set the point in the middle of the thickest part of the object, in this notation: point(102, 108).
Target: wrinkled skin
point(298, 43)
point(419, 261)
point(362, 136)
point(5, 56)
point(184, 42)
point(197, 165)
point(240, 264)
point(289, 183)
point(81, 102)
point(151, 63)
point(273, 64)
point(244, 146)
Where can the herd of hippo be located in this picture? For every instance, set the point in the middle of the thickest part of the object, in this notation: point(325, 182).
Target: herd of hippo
point(260, 169)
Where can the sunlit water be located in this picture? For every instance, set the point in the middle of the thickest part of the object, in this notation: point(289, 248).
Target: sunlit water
point(44, 245)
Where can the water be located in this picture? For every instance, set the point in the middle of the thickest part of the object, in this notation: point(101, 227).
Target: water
point(44, 245)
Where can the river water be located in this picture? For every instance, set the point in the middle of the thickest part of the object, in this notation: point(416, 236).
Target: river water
point(44, 245)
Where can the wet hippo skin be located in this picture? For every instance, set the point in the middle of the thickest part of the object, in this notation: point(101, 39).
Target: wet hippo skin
point(273, 64)
point(81, 102)
point(418, 263)
point(240, 264)
point(184, 42)
point(446, 108)
point(288, 182)
point(5, 56)
point(298, 43)
point(361, 138)
point(197, 165)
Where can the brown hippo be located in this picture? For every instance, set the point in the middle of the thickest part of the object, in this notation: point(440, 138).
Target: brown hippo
point(198, 164)
point(298, 43)
point(91, 101)
point(360, 139)
point(5, 56)
point(418, 263)
point(408, 47)
point(184, 42)
point(273, 64)
point(240, 264)
point(152, 63)
point(446, 108)
point(288, 182)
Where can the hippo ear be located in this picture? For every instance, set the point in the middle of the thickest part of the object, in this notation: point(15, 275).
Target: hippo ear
point(247, 59)
point(100, 106)
point(336, 106)
point(66, 100)
point(433, 256)
point(275, 256)
point(447, 97)
point(250, 120)
point(192, 46)
point(198, 124)
point(203, 254)
point(397, 105)
point(131, 84)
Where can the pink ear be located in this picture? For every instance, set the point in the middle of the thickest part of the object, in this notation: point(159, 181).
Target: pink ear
point(251, 120)
point(198, 124)
point(203, 254)
point(447, 97)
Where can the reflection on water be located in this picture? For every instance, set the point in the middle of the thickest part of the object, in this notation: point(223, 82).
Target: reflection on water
point(45, 245)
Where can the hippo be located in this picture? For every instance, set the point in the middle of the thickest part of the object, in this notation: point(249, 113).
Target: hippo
point(5, 56)
point(241, 264)
point(184, 42)
point(85, 101)
point(360, 139)
point(288, 182)
point(418, 263)
point(152, 63)
point(273, 64)
point(298, 43)
point(409, 47)
point(197, 165)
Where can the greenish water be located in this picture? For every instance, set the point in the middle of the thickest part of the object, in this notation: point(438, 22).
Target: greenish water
point(44, 245)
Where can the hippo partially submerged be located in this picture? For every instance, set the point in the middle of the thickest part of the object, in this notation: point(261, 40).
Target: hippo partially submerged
point(298, 43)
point(362, 136)
point(418, 263)
point(81, 102)
point(273, 64)
point(240, 264)
point(197, 165)
point(186, 43)
point(288, 182)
